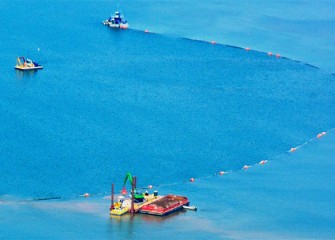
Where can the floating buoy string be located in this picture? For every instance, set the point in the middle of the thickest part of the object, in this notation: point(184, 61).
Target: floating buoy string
point(245, 167)
point(277, 55)
point(194, 179)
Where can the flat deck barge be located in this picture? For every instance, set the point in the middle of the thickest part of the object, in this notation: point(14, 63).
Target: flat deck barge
point(165, 205)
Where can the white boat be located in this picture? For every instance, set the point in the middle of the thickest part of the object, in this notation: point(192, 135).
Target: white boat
point(116, 21)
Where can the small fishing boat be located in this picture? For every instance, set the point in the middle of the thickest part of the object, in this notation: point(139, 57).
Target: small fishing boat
point(116, 21)
point(118, 208)
point(24, 64)
point(165, 205)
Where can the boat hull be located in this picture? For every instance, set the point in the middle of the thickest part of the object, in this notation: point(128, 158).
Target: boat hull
point(28, 68)
point(119, 212)
point(114, 25)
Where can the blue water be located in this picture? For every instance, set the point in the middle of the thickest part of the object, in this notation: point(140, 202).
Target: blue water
point(302, 30)
point(163, 107)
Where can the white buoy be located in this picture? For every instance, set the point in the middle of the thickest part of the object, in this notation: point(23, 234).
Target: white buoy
point(85, 195)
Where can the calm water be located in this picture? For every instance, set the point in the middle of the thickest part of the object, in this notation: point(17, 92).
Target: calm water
point(163, 107)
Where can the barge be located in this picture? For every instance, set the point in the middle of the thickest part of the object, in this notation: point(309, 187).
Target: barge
point(152, 204)
point(165, 205)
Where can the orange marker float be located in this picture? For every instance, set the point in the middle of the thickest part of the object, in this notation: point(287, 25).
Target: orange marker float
point(321, 134)
point(293, 149)
point(263, 162)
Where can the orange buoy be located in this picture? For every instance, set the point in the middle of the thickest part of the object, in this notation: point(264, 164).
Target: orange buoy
point(277, 55)
point(293, 149)
point(192, 180)
point(213, 42)
point(247, 49)
point(150, 186)
point(146, 30)
point(321, 134)
point(269, 53)
point(222, 172)
point(86, 195)
point(263, 161)
point(246, 167)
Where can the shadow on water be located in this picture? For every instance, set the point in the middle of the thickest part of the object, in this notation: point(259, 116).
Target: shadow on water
point(160, 219)
point(128, 218)
point(125, 224)
point(25, 74)
point(121, 224)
